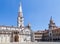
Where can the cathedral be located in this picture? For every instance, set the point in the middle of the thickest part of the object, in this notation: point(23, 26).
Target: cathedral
point(20, 33)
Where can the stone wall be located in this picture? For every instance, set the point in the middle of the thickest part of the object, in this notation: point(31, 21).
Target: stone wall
point(4, 38)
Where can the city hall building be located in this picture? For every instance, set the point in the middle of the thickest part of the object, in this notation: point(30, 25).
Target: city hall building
point(53, 32)
point(50, 34)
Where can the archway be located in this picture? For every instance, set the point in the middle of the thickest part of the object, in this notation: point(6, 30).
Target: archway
point(16, 38)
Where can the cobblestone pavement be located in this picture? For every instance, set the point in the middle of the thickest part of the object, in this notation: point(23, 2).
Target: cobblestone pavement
point(34, 43)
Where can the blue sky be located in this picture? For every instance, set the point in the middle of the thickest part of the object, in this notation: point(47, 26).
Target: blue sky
point(37, 12)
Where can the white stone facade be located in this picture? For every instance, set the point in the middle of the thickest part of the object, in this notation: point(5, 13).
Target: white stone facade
point(6, 34)
point(20, 33)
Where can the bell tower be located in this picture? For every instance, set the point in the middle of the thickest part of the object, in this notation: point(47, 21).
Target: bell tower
point(52, 24)
point(51, 27)
point(20, 19)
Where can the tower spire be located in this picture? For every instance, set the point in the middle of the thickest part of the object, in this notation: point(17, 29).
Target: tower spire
point(51, 20)
point(20, 8)
point(20, 21)
point(52, 24)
